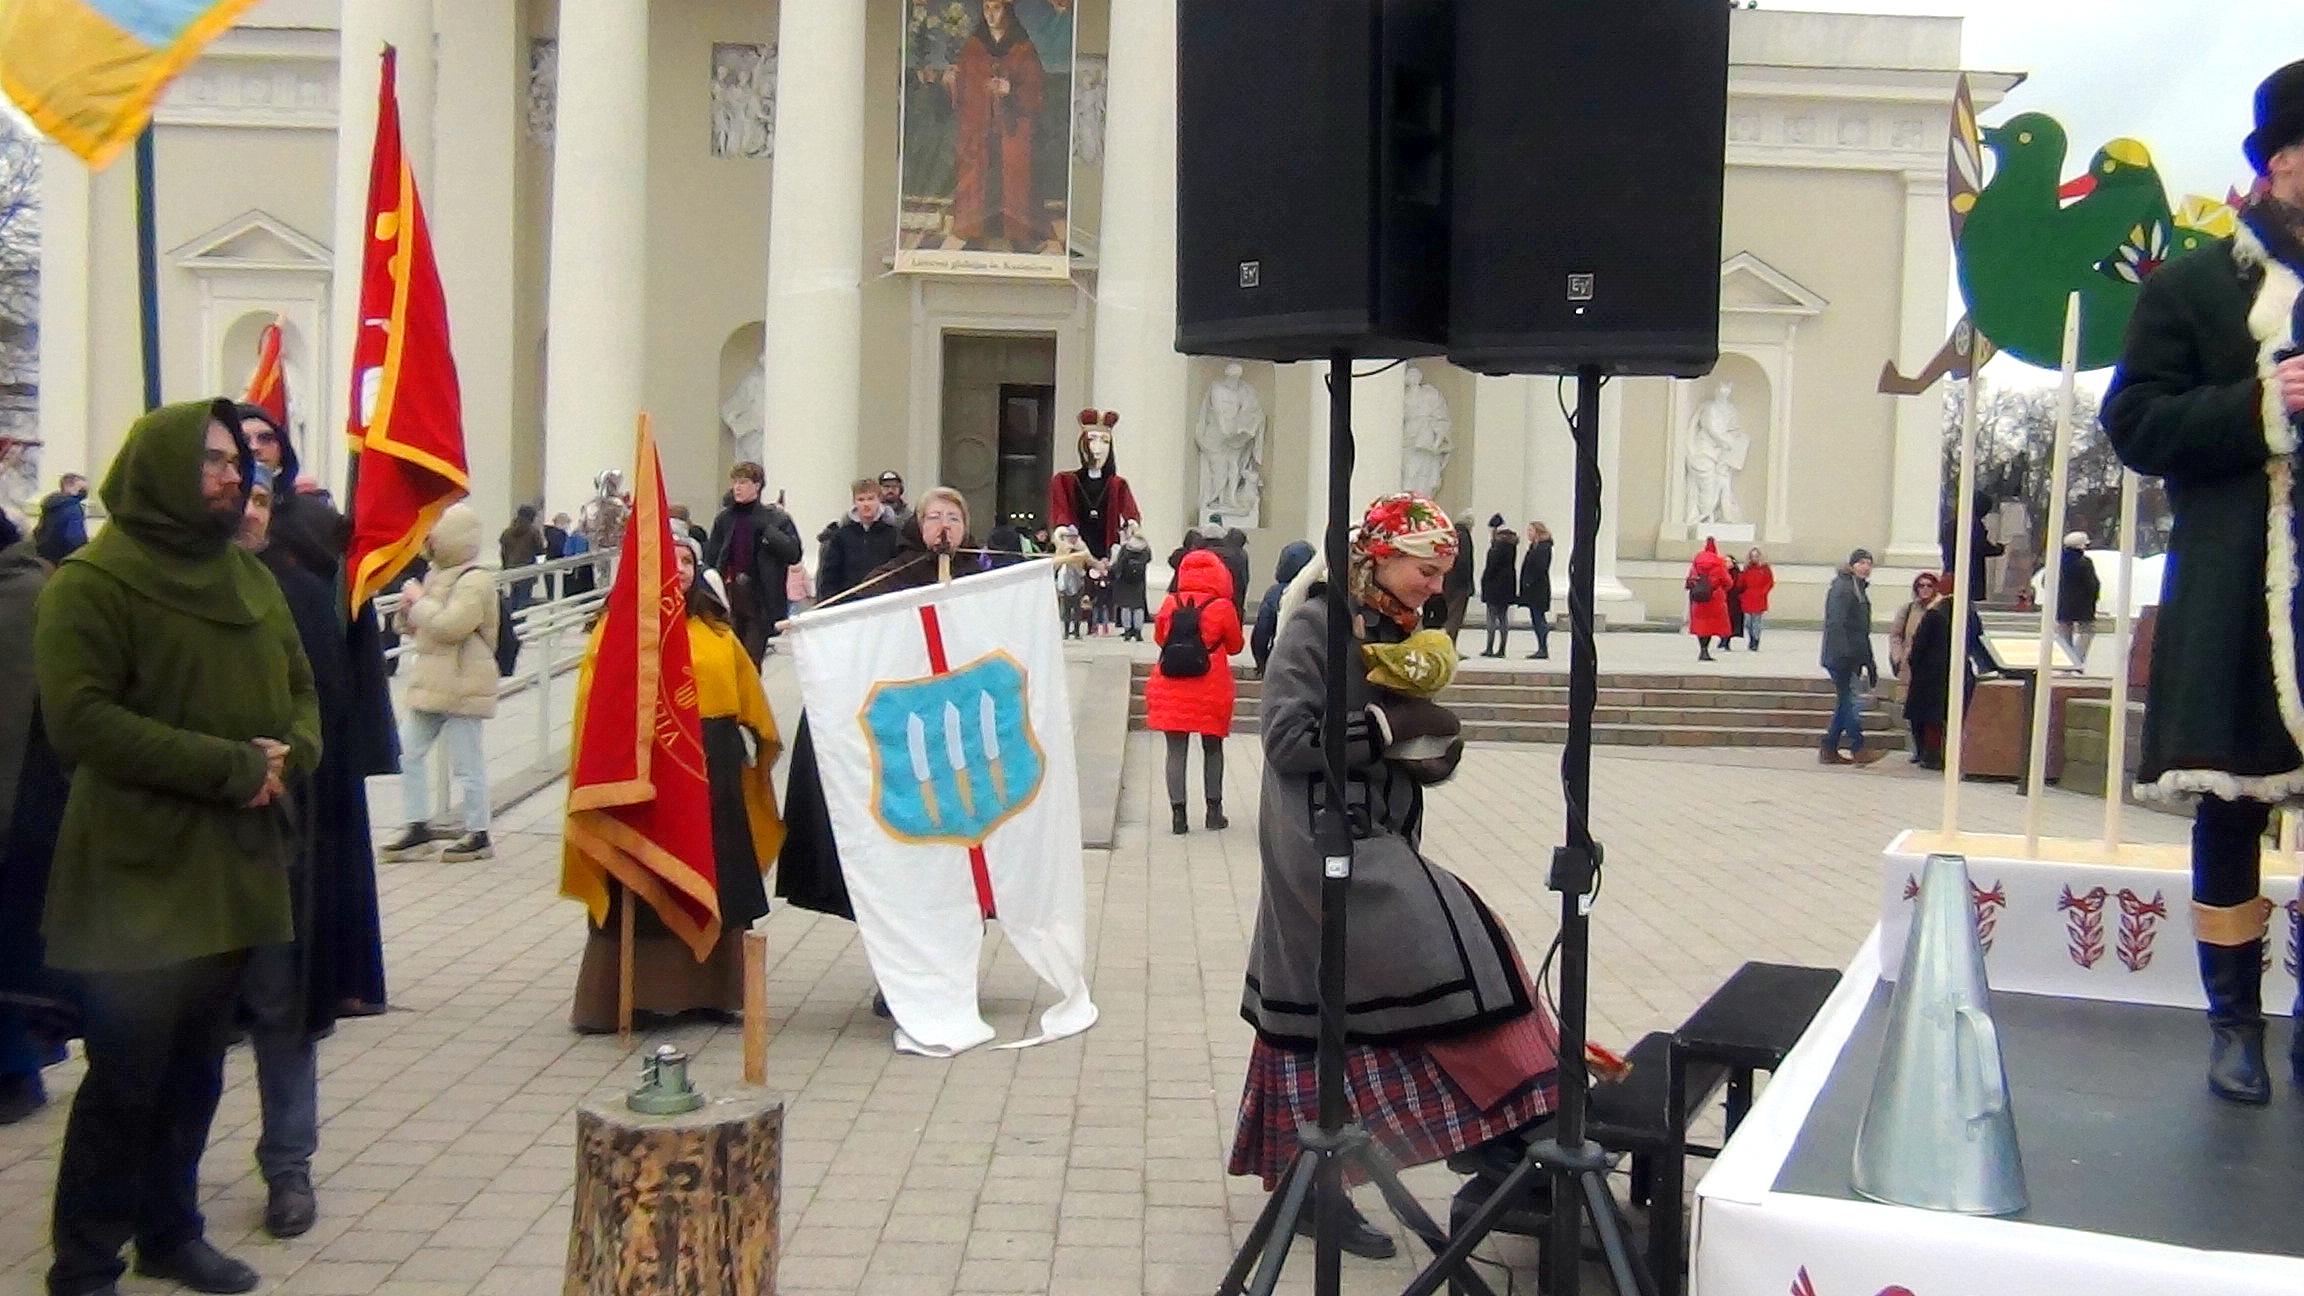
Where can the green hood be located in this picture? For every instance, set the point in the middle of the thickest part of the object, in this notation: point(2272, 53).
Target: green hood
point(162, 540)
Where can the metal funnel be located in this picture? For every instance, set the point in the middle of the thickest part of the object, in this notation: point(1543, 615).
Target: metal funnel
point(1939, 1133)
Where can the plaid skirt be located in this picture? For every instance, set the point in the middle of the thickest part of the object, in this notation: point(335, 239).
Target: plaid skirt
point(1401, 1095)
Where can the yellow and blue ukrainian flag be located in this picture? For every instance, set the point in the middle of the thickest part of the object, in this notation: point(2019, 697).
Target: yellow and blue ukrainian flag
point(86, 71)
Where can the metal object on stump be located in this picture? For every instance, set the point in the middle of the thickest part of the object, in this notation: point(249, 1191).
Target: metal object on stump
point(676, 1193)
point(1940, 1133)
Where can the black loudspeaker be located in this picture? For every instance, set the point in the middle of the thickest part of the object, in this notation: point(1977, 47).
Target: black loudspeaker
point(1590, 137)
point(1312, 177)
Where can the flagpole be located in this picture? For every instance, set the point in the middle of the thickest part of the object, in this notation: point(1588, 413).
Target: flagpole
point(624, 967)
point(147, 269)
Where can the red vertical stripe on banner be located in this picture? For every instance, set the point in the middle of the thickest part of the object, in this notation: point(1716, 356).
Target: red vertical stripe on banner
point(933, 631)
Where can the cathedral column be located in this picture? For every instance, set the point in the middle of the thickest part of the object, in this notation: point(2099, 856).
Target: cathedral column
point(1916, 481)
point(70, 440)
point(473, 212)
point(1551, 489)
point(1500, 453)
point(1379, 405)
point(363, 32)
point(595, 352)
point(1138, 371)
point(811, 404)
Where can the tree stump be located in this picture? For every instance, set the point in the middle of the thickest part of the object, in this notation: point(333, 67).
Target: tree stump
point(676, 1205)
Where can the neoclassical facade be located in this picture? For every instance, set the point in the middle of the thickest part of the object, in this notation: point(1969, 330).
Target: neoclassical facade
point(713, 210)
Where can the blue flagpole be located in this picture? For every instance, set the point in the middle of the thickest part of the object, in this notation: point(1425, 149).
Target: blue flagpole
point(147, 269)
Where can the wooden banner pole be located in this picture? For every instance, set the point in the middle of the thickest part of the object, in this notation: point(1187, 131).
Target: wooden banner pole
point(755, 1008)
point(624, 956)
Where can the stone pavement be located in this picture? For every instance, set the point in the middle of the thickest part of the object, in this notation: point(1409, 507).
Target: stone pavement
point(1093, 1165)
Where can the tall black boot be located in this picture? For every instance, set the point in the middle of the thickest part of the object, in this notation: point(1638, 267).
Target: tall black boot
point(2233, 977)
point(2296, 1040)
point(1178, 822)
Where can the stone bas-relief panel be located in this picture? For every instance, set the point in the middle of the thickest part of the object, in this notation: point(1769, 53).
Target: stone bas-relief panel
point(743, 100)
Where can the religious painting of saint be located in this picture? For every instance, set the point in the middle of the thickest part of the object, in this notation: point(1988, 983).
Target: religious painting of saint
point(987, 138)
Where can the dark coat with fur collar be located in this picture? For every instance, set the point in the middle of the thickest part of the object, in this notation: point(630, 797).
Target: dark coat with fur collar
point(2191, 405)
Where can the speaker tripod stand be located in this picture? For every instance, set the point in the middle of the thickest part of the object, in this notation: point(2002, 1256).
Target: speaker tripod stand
point(1314, 1179)
point(1576, 1167)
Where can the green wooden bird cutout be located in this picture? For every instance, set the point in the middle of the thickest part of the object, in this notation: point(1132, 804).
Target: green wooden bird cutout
point(2026, 240)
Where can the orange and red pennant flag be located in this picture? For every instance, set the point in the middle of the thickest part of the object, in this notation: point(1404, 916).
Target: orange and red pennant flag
point(639, 803)
point(268, 386)
point(407, 418)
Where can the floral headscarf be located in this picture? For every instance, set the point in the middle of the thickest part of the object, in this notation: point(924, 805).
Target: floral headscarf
point(1403, 525)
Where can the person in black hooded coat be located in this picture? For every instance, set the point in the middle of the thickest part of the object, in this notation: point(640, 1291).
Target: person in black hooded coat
point(362, 739)
point(37, 1011)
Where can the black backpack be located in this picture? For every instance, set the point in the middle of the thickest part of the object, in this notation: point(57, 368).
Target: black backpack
point(1184, 656)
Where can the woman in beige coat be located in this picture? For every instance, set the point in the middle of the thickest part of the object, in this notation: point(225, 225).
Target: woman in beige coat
point(450, 620)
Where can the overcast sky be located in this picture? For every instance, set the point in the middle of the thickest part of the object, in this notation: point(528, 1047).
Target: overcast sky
point(2178, 76)
point(2108, 68)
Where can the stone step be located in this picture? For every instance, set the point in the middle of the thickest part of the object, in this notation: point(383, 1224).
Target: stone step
point(1557, 713)
point(1640, 735)
point(1472, 681)
point(1633, 709)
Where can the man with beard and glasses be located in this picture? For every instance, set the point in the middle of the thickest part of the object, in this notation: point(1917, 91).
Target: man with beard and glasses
point(173, 682)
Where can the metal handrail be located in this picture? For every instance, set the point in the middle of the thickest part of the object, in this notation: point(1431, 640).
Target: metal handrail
point(542, 627)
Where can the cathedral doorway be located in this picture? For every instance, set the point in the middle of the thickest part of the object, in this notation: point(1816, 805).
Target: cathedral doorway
point(999, 442)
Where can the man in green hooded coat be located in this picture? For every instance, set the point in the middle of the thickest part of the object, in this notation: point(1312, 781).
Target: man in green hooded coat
point(172, 680)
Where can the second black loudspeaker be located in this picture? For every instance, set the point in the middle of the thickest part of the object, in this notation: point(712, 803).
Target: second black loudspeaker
point(1586, 199)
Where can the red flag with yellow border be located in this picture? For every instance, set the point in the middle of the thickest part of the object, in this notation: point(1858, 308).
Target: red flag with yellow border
point(639, 803)
point(268, 386)
point(407, 419)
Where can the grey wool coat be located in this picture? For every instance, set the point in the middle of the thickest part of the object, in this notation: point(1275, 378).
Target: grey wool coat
point(1427, 960)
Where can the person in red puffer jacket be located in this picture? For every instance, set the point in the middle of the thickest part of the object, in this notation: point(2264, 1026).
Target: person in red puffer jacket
point(1753, 586)
point(1180, 701)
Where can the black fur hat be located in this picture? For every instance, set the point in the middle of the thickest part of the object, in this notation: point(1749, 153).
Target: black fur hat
point(2279, 116)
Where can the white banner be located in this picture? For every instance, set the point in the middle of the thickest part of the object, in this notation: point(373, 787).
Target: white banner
point(944, 740)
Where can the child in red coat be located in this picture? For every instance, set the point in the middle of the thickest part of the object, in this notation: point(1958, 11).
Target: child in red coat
point(1191, 692)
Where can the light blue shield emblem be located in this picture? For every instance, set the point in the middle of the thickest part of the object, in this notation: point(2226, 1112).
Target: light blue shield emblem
point(953, 755)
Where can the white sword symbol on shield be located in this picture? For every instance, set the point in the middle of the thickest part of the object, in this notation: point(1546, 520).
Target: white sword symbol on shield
point(988, 724)
point(957, 753)
point(917, 731)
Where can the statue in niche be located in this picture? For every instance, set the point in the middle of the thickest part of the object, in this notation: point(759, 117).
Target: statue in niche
point(1230, 434)
point(743, 101)
point(1088, 82)
point(1717, 447)
point(744, 413)
point(1425, 436)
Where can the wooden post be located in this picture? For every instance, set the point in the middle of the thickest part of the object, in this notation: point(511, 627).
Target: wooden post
point(624, 966)
point(755, 1008)
point(676, 1205)
point(2051, 581)
point(1963, 605)
point(2123, 624)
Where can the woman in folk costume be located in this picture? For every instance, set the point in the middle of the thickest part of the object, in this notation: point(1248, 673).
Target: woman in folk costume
point(2210, 398)
point(740, 748)
point(1447, 1045)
